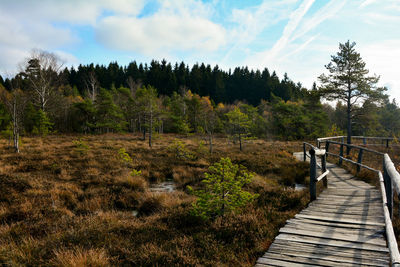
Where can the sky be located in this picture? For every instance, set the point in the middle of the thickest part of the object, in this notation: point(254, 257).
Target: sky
point(296, 37)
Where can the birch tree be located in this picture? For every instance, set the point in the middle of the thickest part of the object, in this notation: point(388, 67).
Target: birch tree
point(42, 70)
point(149, 106)
point(92, 86)
point(15, 102)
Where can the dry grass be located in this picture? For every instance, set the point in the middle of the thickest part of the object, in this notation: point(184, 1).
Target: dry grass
point(63, 206)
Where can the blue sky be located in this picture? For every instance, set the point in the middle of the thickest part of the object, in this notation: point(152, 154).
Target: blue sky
point(293, 36)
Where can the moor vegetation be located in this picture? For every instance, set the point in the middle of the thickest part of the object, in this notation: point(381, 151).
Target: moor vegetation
point(74, 200)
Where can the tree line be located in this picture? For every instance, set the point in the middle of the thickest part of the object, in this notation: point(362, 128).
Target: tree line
point(226, 87)
point(46, 98)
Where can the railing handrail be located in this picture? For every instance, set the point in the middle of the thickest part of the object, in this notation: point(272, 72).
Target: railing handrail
point(389, 179)
point(364, 138)
point(356, 146)
point(355, 137)
point(315, 151)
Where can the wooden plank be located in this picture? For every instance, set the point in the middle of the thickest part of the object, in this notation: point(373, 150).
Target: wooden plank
point(261, 262)
point(335, 229)
point(324, 259)
point(333, 243)
point(339, 215)
point(313, 261)
point(330, 250)
point(332, 219)
point(335, 224)
point(375, 209)
point(373, 239)
point(347, 203)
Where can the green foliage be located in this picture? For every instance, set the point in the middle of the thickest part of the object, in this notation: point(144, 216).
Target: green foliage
point(289, 120)
point(180, 151)
point(334, 131)
point(223, 192)
point(108, 114)
point(81, 146)
point(177, 114)
point(7, 133)
point(348, 81)
point(128, 161)
point(84, 116)
point(4, 117)
point(238, 125)
point(42, 125)
point(298, 120)
point(124, 156)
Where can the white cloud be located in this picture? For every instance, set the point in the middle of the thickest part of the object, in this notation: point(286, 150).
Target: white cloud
point(26, 24)
point(367, 3)
point(271, 56)
point(326, 12)
point(177, 26)
point(250, 23)
point(73, 11)
point(295, 19)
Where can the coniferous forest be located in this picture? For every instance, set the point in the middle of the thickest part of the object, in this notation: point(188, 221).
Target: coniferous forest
point(175, 98)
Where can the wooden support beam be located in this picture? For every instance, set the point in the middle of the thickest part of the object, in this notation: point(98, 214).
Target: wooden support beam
point(359, 160)
point(313, 176)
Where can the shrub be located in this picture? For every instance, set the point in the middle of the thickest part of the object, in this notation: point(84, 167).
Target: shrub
point(223, 190)
point(181, 151)
point(43, 124)
point(81, 147)
point(128, 161)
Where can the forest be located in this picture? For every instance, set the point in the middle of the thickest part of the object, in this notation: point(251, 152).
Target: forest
point(161, 97)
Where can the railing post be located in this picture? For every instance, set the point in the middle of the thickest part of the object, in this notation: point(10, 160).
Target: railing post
point(326, 148)
point(323, 166)
point(364, 140)
point(387, 143)
point(313, 175)
point(304, 152)
point(388, 188)
point(360, 154)
point(341, 155)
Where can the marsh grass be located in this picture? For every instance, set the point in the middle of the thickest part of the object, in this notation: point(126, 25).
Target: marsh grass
point(60, 206)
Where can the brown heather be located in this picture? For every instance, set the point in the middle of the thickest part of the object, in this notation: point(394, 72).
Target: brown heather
point(60, 206)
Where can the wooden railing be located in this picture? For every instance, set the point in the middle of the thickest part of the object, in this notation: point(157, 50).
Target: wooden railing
point(342, 138)
point(388, 180)
point(313, 153)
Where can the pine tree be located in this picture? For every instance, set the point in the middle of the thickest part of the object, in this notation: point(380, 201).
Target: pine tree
point(348, 81)
point(109, 117)
point(223, 191)
point(238, 125)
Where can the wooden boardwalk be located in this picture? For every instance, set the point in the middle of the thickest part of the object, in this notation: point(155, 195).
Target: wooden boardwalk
point(343, 227)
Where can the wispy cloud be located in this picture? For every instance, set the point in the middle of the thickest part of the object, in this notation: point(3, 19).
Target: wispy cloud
point(367, 3)
point(295, 19)
point(326, 12)
point(252, 21)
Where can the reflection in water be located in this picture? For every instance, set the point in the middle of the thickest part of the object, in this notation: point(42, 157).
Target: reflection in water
point(299, 187)
point(167, 186)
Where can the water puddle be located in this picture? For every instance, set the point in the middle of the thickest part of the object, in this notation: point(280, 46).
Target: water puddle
point(299, 187)
point(164, 187)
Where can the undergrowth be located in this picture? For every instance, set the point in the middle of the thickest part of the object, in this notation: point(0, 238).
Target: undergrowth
point(76, 203)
